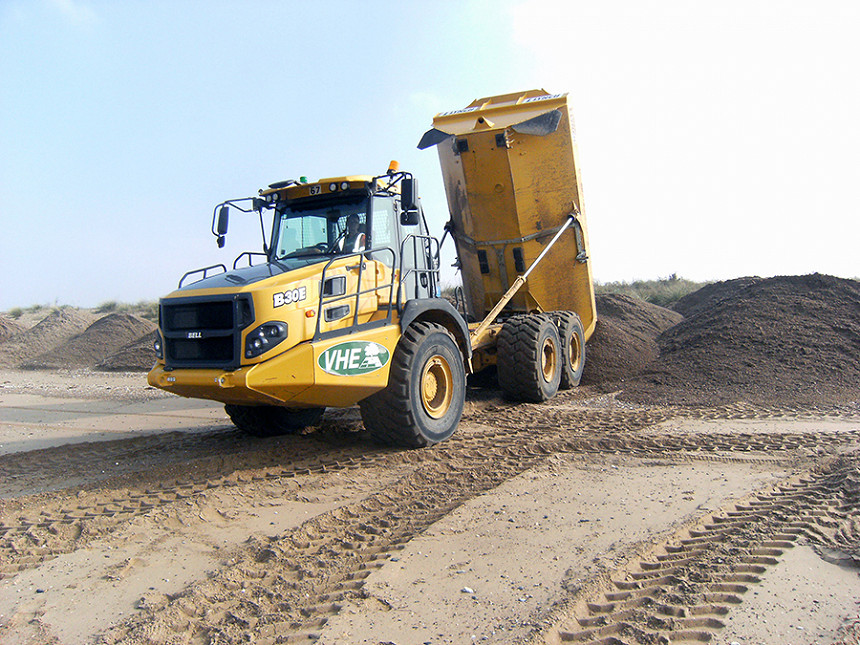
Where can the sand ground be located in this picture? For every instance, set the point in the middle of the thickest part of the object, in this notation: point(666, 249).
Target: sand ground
point(128, 515)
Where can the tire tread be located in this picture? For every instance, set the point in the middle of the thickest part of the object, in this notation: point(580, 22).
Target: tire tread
point(518, 358)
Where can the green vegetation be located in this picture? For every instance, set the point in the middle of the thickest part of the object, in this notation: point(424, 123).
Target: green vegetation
point(142, 309)
point(663, 291)
point(107, 307)
point(35, 310)
point(146, 309)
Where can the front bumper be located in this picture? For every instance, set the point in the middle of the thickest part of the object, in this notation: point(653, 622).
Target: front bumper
point(293, 378)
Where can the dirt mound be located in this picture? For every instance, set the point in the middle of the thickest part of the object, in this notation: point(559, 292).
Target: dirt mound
point(55, 329)
point(625, 338)
point(138, 356)
point(709, 295)
point(783, 340)
point(9, 328)
point(101, 339)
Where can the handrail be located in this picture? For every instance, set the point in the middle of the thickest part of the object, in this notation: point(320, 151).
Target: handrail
point(204, 270)
point(364, 257)
point(431, 255)
point(250, 254)
point(424, 244)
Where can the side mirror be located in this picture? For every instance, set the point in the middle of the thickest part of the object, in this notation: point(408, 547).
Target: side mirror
point(223, 221)
point(409, 201)
point(409, 193)
point(409, 218)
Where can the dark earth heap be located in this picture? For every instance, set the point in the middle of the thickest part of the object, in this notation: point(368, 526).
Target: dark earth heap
point(788, 339)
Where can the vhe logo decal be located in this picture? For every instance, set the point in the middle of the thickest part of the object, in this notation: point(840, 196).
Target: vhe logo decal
point(354, 358)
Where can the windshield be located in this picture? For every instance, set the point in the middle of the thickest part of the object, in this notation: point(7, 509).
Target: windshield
point(320, 231)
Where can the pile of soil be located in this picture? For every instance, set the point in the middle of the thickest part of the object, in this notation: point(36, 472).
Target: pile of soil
point(101, 339)
point(58, 327)
point(624, 341)
point(9, 328)
point(709, 295)
point(782, 340)
point(138, 356)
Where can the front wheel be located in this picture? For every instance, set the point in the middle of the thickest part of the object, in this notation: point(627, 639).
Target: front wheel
point(423, 401)
point(272, 420)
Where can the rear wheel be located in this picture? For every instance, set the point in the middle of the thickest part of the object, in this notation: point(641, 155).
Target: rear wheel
point(529, 358)
point(572, 337)
point(272, 420)
point(423, 401)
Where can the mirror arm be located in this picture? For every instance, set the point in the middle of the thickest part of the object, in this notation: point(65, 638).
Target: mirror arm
point(263, 233)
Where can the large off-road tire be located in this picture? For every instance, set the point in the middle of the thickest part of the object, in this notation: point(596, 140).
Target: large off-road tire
point(272, 420)
point(572, 337)
point(423, 401)
point(529, 358)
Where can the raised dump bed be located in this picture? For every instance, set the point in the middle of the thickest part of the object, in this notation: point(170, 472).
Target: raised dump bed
point(512, 179)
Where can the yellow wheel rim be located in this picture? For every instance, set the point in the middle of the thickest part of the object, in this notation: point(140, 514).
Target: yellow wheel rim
point(548, 360)
point(574, 353)
point(437, 387)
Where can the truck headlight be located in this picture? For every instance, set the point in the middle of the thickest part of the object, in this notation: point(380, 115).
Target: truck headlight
point(265, 337)
point(158, 346)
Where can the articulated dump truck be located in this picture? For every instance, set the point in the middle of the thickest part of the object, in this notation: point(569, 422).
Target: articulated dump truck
point(342, 306)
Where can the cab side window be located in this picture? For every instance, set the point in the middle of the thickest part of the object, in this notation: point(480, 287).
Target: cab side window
point(384, 231)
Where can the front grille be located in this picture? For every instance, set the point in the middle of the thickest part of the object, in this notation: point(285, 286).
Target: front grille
point(204, 349)
point(203, 315)
point(204, 331)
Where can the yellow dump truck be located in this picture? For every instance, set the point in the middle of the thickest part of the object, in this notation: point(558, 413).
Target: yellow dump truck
point(342, 306)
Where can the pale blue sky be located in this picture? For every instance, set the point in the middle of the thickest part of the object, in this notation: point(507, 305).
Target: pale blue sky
point(715, 140)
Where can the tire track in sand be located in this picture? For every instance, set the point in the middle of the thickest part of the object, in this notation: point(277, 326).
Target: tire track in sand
point(693, 580)
point(329, 558)
point(284, 589)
